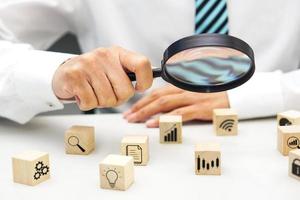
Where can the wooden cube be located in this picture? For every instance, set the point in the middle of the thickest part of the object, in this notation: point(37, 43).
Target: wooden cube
point(170, 127)
point(137, 147)
point(288, 138)
point(208, 159)
point(31, 167)
point(294, 163)
point(287, 118)
point(80, 140)
point(116, 172)
point(225, 122)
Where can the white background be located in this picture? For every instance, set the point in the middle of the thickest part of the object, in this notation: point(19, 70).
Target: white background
point(252, 168)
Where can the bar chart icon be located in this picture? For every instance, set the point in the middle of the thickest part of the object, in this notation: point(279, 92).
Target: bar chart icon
point(171, 134)
point(208, 159)
point(170, 129)
point(204, 164)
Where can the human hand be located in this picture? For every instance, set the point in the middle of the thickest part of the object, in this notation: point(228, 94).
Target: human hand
point(175, 101)
point(98, 78)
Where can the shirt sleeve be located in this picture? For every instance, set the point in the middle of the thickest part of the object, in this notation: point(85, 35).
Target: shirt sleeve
point(266, 94)
point(26, 72)
point(26, 82)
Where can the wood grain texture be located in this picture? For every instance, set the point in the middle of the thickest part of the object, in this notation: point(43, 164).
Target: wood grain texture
point(80, 140)
point(170, 128)
point(294, 164)
point(288, 138)
point(137, 147)
point(116, 172)
point(31, 167)
point(290, 117)
point(225, 122)
point(208, 159)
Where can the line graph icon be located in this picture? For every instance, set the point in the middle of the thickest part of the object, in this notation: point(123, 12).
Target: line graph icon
point(227, 125)
point(171, 134)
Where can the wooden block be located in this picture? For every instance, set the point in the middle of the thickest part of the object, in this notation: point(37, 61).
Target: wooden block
point(31, 167)
point(116, 172)
point(294, 164)
point(208, 159)
point(170, 127)
point(80, 140)
point(137, 147)
point(287, 118)
point(225, 121)
point(288, 138)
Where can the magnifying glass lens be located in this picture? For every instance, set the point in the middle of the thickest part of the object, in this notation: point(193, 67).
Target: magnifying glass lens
point(73, 141)
point(208, 66)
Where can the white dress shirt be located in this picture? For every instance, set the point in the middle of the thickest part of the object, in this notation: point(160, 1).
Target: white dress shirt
point(27, 27)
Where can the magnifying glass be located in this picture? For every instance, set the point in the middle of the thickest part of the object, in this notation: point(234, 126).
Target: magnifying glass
point(206, 63)
point(74, 141)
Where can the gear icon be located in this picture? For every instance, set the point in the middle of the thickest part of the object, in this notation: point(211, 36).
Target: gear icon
point(39, 165)
point(45, 170)
point(40, 170)
point(37, 175)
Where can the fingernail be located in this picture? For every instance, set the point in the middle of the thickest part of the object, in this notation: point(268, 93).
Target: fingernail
point(126, 113)
point(152, 123)
point(139, 89)
point(131, 118)
point(77, 100)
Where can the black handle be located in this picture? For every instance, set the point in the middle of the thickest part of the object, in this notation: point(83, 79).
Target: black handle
point(156, 73)
point(81, 148)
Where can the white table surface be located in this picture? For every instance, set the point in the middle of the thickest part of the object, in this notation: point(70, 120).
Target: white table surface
point(252, 168)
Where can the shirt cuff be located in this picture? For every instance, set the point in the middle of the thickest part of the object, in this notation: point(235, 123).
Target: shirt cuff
point(261, 96)
point(33, 74)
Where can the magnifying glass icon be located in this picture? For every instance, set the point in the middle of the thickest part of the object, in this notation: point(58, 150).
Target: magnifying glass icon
point(206, 63)
point(74, 141)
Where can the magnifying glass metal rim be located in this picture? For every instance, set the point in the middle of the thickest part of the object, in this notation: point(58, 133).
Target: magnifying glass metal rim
point(71, 143)
point(208, 40)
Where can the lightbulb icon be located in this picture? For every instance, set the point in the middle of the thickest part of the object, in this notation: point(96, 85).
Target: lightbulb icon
point(112, 177)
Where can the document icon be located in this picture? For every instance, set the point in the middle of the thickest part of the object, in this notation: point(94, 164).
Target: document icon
point(136, 152)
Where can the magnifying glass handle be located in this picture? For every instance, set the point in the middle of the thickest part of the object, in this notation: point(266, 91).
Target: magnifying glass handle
point(156, 73)
point(80, 147)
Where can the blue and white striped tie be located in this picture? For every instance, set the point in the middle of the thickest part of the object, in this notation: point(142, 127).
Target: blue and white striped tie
point(211, 17)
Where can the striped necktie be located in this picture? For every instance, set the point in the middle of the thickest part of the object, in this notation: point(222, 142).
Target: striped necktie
point(211, 17)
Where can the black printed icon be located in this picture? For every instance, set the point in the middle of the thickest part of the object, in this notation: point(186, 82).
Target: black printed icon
point(171, 134)
point(296, 167)
point(203, 164)
point(40, 170)
point(74, 141)
point(227, 125)
point(112, 176)
point(284, 122)
point(293, 142)
point(136, 152)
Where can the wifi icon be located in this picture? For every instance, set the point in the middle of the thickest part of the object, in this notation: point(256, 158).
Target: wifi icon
point(227, 125)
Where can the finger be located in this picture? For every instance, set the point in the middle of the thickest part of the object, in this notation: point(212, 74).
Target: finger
point(163, 104)
point(85, 96)
point(152, 123)
point(154, 95)
point(140, 65)
point(103, 90)
point(187, 114)
point(114, 71)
